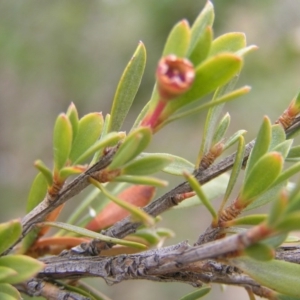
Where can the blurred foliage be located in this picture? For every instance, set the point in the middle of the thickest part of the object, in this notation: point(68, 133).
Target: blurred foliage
point(55, 52)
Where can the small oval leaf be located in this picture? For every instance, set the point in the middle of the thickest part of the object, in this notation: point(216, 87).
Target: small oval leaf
point(9, 290)
point(204, 19)
point(89, 130)
point(177, 164)
point(62, 140)
point(202, 47)
point(6, 272)
point(146, 165)
point(261, 176)
point(9, 234)
point(228, 42)
point(132, 146)
point(25, 266)
point(221, 129)
point(261, 145)
point(108, 140)
point(178, 40)
point(73, 117)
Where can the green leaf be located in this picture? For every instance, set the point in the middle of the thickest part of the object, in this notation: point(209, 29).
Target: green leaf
point(244, 51)
point(220, 100)
point(36, 195)
point(6, 272)
point(261, 176)
point(9, 234)
point(297, 100)
point(261, 145)
point(149, 235)
point(45, 171)
point(289, 222)
point(7, 290)
point(89, 130)
point(132, 146)
point(73, 117)
point(266, 197)
point(278, 136)
point(25, 266)
point(66, 172)
point(146, 180)
point(165, 232)
point(249, 220)
point(147, 165)
point(280, 276)
point(261, 252)
point(204, 19)
point(235, 169)
point(195, 185)
point(104, 132)
point(37, 192)
point(202, 47)
point(286, 174)
point(137, 213)
point(229, 42)
point(221, 129)
point(177, 164)
point(275, 241)
point(212, 190)
point(199, 293)
point(127, 88)
point(178, 40)
point(294, 154)
point(7, 296)
point(93, 234)
point(283, 148)
point(108, 140)
point(62, 140)
point(233, 139)
point(211, 74)
point(211, 120)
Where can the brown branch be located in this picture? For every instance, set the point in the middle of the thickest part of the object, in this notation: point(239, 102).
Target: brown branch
point(182, 262)
point(38, 287)
point(160, 205)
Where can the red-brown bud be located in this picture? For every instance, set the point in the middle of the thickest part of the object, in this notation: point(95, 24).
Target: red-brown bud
point(174, 76)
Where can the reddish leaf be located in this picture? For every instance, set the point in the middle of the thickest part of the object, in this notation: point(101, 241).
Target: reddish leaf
point(139, 195)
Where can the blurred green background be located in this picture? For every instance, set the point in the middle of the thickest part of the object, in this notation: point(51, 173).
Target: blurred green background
point(55, 52)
